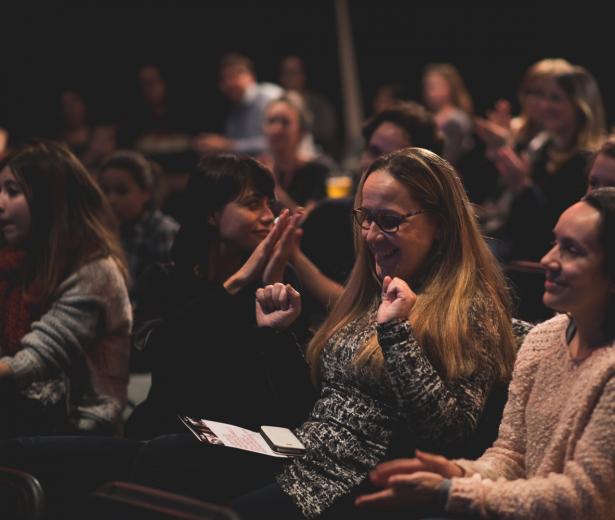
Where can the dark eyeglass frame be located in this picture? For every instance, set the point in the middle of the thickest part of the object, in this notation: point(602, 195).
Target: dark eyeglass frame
point(361, 216)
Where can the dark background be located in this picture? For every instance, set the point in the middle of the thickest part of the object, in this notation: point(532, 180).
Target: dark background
point(98, 51)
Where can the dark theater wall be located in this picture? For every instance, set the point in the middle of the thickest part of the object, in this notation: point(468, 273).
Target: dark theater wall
point(98, 50)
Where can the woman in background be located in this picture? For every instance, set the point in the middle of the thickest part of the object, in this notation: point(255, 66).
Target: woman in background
point(446, 95)
point(300, 177)
point(573, 119)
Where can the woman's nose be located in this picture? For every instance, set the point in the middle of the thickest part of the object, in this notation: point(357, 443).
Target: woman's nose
point(373, 233)
point(549, 261)
point(267, 214)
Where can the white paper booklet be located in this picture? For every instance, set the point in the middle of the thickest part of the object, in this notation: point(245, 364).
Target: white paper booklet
point(213, 432)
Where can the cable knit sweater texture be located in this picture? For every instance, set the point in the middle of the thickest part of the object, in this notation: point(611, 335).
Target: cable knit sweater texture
point(555, 454)
point(80, 346)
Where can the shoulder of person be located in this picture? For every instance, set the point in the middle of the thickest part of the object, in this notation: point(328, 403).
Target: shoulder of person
point(97, 273)
point(544, 337)
point(162, 224)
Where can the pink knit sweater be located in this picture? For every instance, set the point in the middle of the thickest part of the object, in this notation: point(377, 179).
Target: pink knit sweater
point(555, 454)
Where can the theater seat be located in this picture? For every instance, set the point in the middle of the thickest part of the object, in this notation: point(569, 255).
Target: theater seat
point(119, 500)
point(21, 495)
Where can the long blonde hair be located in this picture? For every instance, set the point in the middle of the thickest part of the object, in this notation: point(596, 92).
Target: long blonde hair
point(463, 281)
point(583, 90)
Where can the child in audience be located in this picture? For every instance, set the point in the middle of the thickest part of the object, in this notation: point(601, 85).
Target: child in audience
point(147, 234)
point(65, 315)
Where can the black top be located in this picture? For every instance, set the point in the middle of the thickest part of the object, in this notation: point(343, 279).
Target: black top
point(536, 209)
point(210, 360)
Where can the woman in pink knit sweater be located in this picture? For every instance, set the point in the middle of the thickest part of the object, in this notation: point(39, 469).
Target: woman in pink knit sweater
point(555, 454)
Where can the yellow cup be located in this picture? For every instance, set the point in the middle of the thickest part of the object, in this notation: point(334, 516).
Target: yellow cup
point(339, 186)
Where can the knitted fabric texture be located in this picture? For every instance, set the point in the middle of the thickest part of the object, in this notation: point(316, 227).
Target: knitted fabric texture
point(555, 454)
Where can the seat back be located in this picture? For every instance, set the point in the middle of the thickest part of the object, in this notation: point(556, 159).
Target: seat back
point(21, 495)
point(115, 500)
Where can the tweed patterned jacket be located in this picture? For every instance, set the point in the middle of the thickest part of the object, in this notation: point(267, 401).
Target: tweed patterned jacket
point(353, 423)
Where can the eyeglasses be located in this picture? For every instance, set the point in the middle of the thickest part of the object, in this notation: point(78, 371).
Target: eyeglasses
point(387, 222)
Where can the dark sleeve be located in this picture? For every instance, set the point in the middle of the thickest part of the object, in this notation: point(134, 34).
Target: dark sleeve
point(442, 412)
point(288, 373)
point(154, 300)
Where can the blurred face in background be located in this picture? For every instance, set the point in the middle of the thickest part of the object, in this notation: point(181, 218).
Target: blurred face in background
point(602, 173)
point(73, 107)
point(127, 199)
point(152, 86)
point(530, 100)
point(436, 91)
point(234, 81)
point(387, 138)
point(556, 110)
point(292, 74)
point(282, 128)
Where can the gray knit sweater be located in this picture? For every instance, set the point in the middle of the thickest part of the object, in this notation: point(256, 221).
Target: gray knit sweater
point(79, 349)
point(555, 454)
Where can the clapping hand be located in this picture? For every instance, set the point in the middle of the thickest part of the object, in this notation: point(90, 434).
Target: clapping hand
point(253, 268)
point(513, 168)
point(277, 305)
point(284, 249)
point(397, 300)
point(409, 483)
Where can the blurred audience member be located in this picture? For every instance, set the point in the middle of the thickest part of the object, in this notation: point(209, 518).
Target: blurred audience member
point(74, 130)
point(602, 171)
point(147, 235)
point(292, 76)
point(401, 125)
point(386, 96)
point(103, 143)
point(500, 128)
point(522, 133)
point(446, 95)
point(159, 128)
point(572, 115)
point(300, 179)
point(243, 129)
